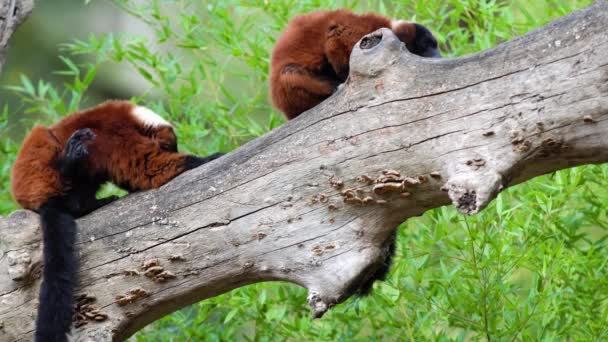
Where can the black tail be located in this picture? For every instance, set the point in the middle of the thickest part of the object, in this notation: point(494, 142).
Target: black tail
point(59, 275)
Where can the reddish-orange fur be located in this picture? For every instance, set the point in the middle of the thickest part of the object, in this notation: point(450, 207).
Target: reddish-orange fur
point(310, 58)
point(124, 151)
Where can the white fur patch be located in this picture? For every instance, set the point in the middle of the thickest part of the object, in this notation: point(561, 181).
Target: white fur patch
point(148, 117)
point(396, 23)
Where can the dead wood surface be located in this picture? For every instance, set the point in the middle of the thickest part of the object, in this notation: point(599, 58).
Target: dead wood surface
point(297, 204)
point(12, 13)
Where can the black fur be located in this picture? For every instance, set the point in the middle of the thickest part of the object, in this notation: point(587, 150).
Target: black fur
point(425, 44)
point(59, 274)
point(193, 162)
point(57, 218)
point(381, 270)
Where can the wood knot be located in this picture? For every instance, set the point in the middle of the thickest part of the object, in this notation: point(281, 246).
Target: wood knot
point(370, 40)
point(476, 163)
point(21, 267)
point(588, 119)
point(467, 202)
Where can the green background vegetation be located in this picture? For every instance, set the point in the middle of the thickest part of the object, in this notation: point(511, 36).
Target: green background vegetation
point(532, 266)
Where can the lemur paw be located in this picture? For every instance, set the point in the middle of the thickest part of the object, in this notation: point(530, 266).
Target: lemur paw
point(75, 146)
point(83, 134)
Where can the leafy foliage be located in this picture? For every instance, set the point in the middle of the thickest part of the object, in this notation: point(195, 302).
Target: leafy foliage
point(532, 266)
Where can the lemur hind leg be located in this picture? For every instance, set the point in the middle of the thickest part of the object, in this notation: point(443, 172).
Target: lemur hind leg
point(164, 166)
point(74, 153)
point(80, 200)
point(154, 166)
point(90, 203)
point(301, 89)
point(81, 203)
point(381, 270)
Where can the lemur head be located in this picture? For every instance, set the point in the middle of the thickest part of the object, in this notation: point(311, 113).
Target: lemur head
point(418, 39)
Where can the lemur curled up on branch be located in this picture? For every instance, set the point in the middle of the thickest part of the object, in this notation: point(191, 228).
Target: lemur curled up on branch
point(310, 58)
point(58, 172)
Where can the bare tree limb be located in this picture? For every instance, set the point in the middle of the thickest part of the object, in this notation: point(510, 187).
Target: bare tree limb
point(12, 13)
point(297, 204)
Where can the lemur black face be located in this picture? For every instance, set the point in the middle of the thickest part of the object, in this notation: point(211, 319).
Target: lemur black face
point(425, 44)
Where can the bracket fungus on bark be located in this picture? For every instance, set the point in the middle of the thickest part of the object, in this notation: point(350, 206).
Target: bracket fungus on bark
point(316, 201)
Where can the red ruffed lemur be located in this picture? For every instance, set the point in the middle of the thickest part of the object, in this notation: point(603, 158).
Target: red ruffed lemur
point(310, 58)
point(58, 172)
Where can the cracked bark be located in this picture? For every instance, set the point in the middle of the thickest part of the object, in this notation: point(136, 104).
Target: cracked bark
point(12, 13)
point(292, 205)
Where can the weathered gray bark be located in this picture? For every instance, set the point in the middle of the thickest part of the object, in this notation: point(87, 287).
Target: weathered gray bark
point(12, 13)
point(292, 205)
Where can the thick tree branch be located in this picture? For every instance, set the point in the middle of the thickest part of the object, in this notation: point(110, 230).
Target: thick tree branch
point(12, 13)
point(296, 204)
